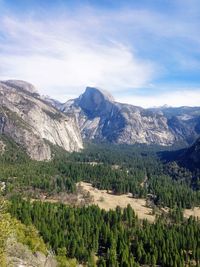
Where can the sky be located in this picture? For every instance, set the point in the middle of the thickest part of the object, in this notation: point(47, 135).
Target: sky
point(144, 52)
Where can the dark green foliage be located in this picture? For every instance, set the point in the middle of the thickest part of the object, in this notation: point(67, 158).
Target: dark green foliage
point(94, 236)
point(180, 173)
point(122, 169)
point(191, 157)
point(13, 154)
point(170, 193)
point(117, 237)
point(184, 164)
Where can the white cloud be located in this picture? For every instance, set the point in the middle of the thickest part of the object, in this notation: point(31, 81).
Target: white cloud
point(177, 98)
point(56, 55)
point(61, 53)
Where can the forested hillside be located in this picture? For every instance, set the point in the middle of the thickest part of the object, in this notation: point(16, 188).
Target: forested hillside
point(96, 237)
point(121, 169)
point(16, 236)
point(22, 245)
point(114, 238)
point(184, 164)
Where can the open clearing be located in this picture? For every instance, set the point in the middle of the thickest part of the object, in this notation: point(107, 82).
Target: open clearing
point(88, 195)
point(192, 212)
point(106, 200)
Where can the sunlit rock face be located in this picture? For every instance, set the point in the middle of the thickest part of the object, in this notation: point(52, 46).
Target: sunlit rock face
point(101, 118)
point(33, 123)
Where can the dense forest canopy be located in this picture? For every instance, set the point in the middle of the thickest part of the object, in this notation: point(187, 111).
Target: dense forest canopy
point(121, 169)
point(106, 238)
point(116, 238)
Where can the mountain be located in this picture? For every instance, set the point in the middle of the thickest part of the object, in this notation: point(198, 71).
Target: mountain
point(190, 158)
point(183, 164)
point(33, 123)
point(52, 102)
point(183, 121)
point(100, 118)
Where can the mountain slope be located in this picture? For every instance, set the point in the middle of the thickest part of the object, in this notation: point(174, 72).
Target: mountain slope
point(34, 124)
point(101, 118)
point(190, 158)
point(183, 121)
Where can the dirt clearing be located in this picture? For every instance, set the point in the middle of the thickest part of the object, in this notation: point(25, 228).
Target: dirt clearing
point(106, 200)
point(192, 212)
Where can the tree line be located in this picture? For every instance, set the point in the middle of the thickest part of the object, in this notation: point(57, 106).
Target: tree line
point(114, 238)
point(121, 169)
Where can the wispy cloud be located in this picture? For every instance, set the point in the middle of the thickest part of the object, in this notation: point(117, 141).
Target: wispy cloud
point(119, 49)
point(54, 54)
point(180, 97)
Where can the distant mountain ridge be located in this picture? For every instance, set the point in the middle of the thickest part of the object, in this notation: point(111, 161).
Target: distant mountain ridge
point(36, 122)
point(100, 118)
point(33, 123)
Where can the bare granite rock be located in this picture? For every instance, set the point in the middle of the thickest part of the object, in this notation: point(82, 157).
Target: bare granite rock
point(19, 255)
point(34, 124)
point(101, 118)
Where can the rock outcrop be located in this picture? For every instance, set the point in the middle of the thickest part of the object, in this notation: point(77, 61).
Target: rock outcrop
point(101, 118)
point(19, 255)
point(184, 122)
point(34, 124)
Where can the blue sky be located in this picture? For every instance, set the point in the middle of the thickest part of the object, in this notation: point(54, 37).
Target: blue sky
point(145, 52)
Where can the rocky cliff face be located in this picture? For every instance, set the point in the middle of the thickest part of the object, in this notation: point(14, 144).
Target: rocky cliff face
point(101, 118)
point(184, 122)
point(34, 124)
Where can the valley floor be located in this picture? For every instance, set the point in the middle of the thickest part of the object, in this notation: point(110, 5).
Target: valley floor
point(106, 200)
point(192, 212)
point(88, 195)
